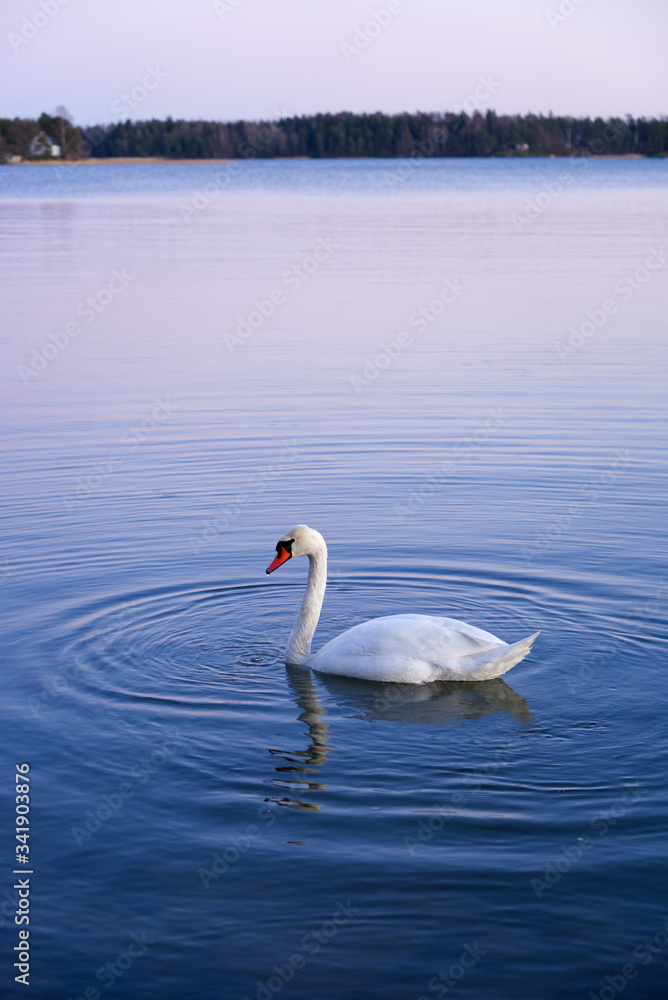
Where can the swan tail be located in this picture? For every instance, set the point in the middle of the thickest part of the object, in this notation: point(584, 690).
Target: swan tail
point(499, 661)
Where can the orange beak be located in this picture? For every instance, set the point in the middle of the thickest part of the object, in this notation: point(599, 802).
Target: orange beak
point(281, 556)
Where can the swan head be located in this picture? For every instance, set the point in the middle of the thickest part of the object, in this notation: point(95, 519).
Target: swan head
point(299, 541)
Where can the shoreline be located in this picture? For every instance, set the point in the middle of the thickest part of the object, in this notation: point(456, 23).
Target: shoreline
point(95, 161)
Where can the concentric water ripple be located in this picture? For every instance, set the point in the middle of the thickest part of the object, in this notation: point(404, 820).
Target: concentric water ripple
point(187, 645)
point(182, 644)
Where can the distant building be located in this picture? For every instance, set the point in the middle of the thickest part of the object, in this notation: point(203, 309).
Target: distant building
point(42, 145)
point(12, 158)
point(522, 147)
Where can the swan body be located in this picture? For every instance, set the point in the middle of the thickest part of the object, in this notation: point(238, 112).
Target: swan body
point(412, 649)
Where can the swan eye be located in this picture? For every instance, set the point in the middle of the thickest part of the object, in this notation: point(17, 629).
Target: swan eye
point(285, 546)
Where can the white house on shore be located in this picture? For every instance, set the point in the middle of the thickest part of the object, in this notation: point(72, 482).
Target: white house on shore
point(42, 145)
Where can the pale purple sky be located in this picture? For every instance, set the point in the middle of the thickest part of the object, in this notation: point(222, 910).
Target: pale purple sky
point(230, 59)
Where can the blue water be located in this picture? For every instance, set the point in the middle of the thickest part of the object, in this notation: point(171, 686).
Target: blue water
point(190, 368)
point(409, 175)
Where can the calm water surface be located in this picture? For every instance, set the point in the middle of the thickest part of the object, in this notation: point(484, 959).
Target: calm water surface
point(456, 371)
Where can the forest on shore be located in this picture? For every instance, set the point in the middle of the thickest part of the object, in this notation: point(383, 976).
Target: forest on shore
point(342, 135)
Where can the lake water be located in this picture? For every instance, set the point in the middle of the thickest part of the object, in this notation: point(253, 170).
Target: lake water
point(456, 371)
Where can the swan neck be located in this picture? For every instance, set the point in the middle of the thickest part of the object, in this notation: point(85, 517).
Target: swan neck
point(299, 644)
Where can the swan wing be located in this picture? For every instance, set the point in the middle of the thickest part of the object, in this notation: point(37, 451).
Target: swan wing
point(418, 649)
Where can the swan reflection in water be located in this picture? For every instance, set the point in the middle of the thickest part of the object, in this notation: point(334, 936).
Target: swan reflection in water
point(304, 761)
point(441, 703)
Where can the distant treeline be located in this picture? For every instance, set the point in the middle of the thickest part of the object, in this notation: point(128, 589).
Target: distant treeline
point(351, 135)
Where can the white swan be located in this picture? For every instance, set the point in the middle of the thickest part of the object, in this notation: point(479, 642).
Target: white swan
point(413, 649)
